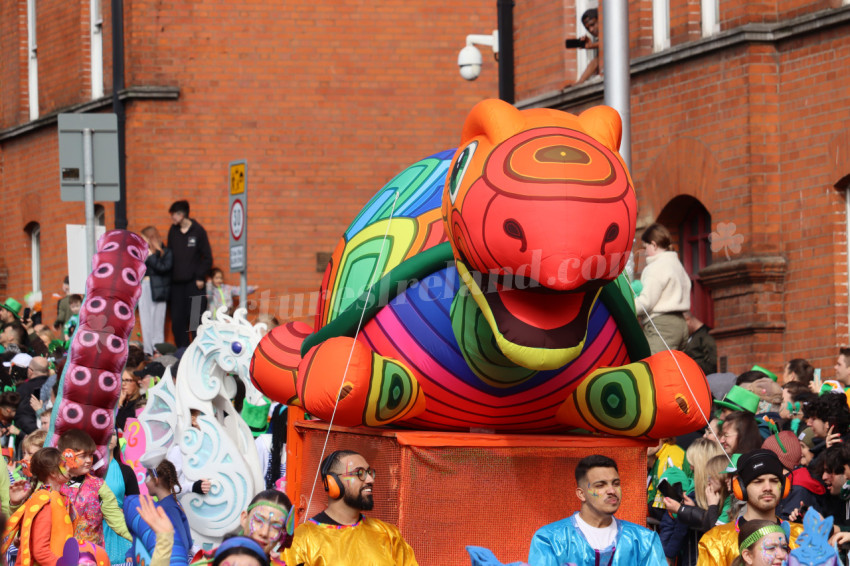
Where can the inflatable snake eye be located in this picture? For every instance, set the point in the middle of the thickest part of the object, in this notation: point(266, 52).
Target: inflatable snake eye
point(459, 170)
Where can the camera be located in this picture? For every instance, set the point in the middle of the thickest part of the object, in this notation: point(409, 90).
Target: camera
point(469, 60)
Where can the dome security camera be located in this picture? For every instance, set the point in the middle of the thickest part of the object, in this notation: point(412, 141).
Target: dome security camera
point(469, 61)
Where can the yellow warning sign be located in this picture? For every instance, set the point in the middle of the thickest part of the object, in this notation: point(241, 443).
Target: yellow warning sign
point(237, 178)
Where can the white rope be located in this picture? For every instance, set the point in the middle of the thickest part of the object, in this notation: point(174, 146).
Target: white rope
point(685, 379)
point(351, 353)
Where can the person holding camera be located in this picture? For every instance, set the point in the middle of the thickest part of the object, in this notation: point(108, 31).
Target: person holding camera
point(590, 21)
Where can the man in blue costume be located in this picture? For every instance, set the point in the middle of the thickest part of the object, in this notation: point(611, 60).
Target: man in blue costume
point(593, 537)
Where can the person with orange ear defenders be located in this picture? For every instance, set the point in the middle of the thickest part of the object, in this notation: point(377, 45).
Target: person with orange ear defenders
point(341, 535)
point(762, 483)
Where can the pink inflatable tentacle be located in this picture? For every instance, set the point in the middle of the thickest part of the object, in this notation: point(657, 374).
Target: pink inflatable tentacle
point(90, 384)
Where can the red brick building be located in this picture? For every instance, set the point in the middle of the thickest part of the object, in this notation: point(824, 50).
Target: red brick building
point(739, 127)
point(325, 100)
point(739, 114)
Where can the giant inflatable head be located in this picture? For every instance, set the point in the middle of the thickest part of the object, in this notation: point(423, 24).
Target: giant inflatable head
point(540, 212)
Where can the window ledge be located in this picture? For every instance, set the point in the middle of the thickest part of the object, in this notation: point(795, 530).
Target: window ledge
point(132, 93)
point(729, 39)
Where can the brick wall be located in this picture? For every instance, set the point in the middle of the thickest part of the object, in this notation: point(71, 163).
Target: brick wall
point(13, 63)
point(325, 100)
point(767, 115)
point(542, 62)
point(63, 54)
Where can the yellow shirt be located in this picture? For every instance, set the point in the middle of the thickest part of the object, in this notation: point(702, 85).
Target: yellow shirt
point(667, 454)
point(370, 541)
point(719, 546)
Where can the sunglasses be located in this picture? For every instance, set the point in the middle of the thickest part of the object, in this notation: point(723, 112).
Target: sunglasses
point(361, 473)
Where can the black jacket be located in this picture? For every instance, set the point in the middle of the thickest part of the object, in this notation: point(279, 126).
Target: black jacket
point(703, 349)
point(25, 418)
point(126, 412)
point(699, 518)
point(159, 266)
point(192, 259)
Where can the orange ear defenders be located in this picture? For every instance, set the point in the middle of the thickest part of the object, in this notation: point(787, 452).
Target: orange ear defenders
point(333, 485)
point(739, 489)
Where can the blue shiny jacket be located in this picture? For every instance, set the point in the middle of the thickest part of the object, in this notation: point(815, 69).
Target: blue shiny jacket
point(562, 543)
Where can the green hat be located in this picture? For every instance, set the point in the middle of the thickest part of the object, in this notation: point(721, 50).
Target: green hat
point(12, 306)
point(740, 399)
point(256, 417)
point(767, 372)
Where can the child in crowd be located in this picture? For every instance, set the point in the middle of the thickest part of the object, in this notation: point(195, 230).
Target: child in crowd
point(762, 543)
point(90, 501)
point(162, 484)
point(75, 302)
point(41, 526)
point(220, 294)
point(240, 551)
point(122, 481)
point(268, 521)
point(32, 443)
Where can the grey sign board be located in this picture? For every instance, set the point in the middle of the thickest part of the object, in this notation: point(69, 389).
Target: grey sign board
point(238, 215)
point(104, 129)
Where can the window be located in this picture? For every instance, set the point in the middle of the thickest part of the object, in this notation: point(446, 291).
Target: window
point(696, 254)
point(660, 24)
point(96, 49)
point(34, 231)
point(583, 56)
point(32, 64)
point(710, 11)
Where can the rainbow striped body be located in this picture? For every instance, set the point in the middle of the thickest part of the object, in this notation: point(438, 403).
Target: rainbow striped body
point(442, 308)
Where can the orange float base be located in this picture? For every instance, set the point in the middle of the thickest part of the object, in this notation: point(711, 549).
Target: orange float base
point(446, 491)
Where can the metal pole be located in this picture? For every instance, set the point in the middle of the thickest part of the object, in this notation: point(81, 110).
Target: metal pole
point(847, 236)
point(505, 17)
point(88, 192)
point(118, 108)
point(243, 286)
point(615, 37)
point(617, 79)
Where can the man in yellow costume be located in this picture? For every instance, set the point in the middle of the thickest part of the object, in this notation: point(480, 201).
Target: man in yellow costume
point(341, 535)
point(762, 482)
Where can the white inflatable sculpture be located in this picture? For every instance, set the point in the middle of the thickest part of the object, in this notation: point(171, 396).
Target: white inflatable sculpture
point(221, 448)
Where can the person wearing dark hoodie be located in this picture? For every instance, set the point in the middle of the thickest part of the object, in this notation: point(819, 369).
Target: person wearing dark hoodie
point(806, 491)
point(193, 260)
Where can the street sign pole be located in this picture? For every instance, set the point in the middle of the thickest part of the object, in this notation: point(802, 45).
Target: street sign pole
point(88, 197)
point(238, 215)
point(243, 288)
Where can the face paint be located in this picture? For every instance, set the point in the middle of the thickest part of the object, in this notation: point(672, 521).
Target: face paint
point(272, 523)
point(347, 477)
point(773, 549)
